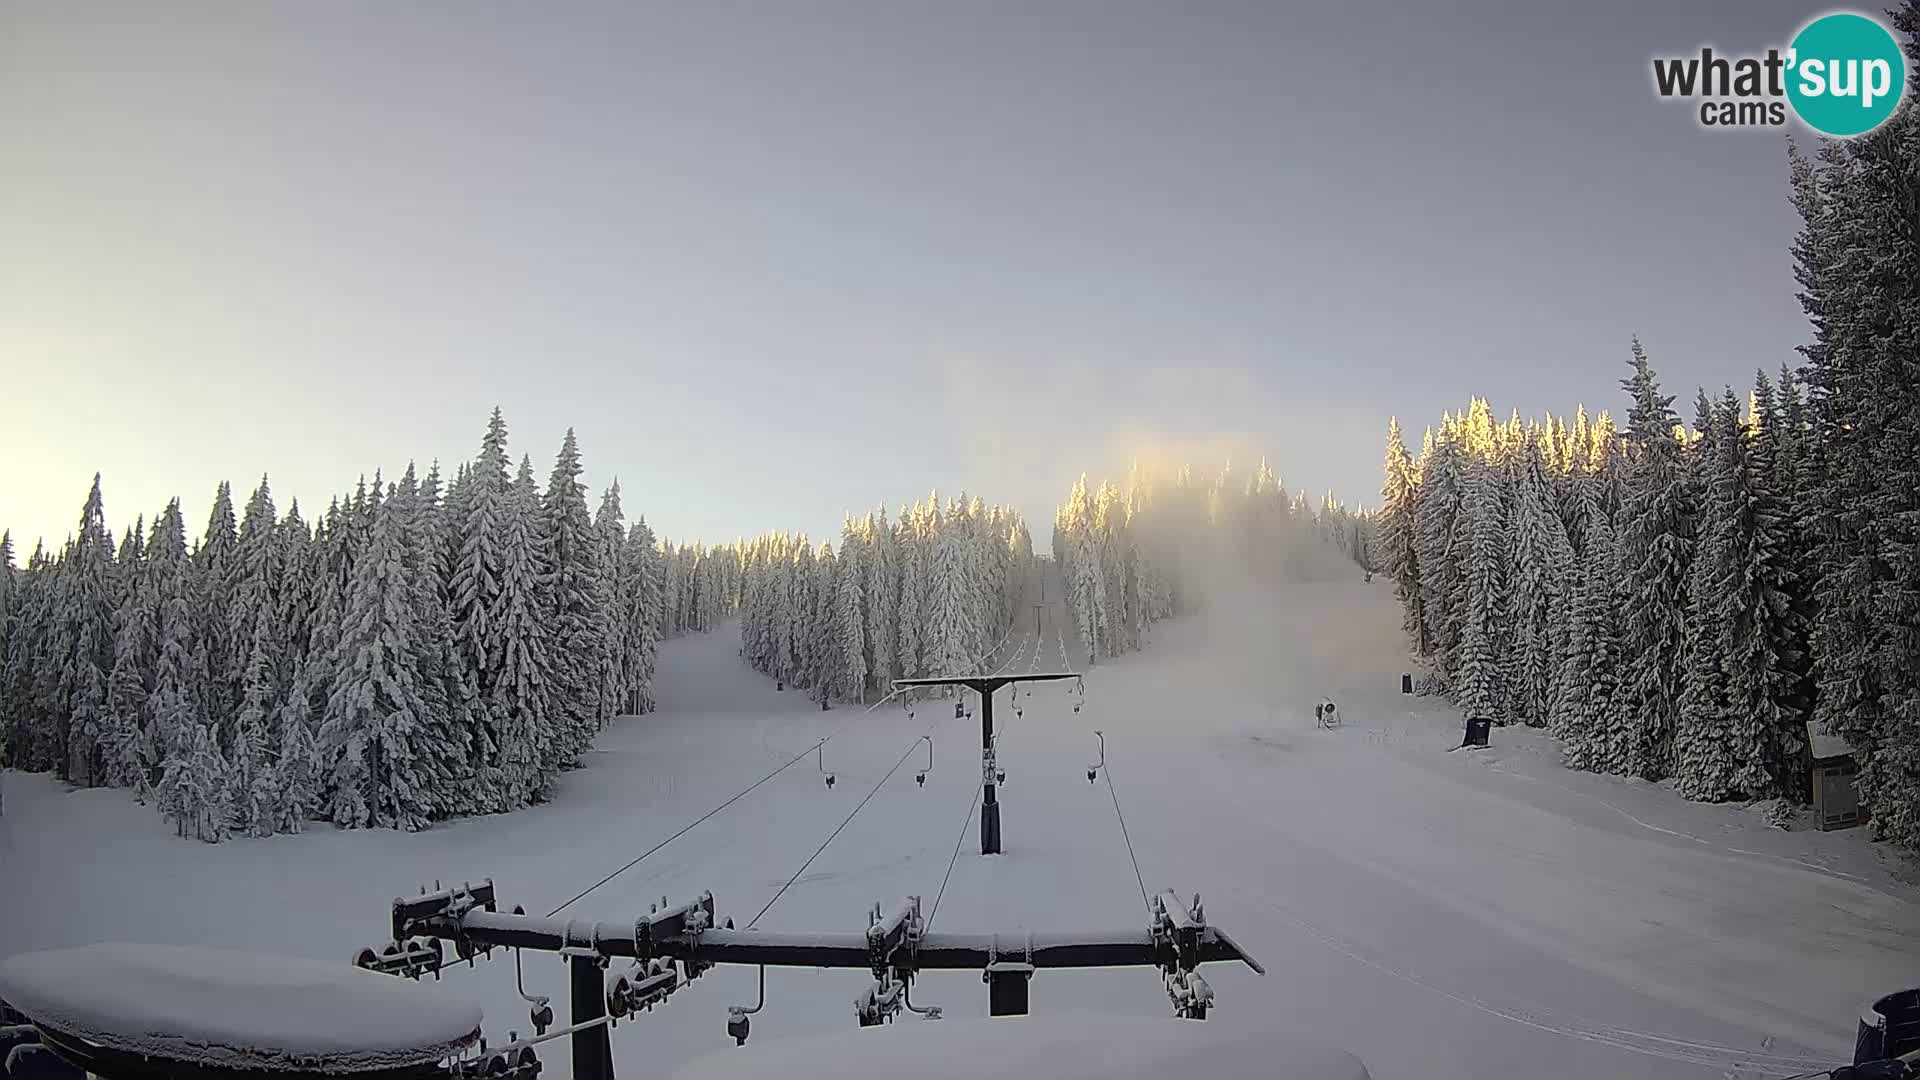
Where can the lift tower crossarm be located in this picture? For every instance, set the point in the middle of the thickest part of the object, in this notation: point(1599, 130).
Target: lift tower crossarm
point(986, 686)
point(936, 952)
point(895, 948)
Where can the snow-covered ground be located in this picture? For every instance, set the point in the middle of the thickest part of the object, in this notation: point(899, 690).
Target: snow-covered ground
point(1467, 914)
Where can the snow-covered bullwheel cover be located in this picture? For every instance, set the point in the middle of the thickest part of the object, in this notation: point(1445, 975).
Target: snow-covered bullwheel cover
point(235, 1010)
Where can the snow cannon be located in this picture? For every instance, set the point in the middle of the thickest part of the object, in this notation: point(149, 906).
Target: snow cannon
point(1327, 714)
point(1479, 729)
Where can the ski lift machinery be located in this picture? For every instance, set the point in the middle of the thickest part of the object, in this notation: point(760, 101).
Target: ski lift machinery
point(674, 944)
point(671, 945)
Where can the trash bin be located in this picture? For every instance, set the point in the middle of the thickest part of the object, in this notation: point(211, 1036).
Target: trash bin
point(1406, 682)
point(1889, 1027)
point(1478, 729)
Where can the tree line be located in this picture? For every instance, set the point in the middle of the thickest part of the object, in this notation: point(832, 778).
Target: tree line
point(423, 650)
point(1148, 548)
point(933, 593)
point(1677, 602)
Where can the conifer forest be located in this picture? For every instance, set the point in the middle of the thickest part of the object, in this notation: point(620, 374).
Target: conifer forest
point(1677, 597)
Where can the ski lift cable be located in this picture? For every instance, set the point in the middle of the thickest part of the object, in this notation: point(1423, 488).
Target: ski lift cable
point(748, 790)
point(1004, 638)
point(958, 842)
point(1107, 770)
point(915, 745)
point(688, 827)
point(1015, 658)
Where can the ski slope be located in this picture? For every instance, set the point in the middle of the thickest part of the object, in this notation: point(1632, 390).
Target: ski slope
point(1440, 914)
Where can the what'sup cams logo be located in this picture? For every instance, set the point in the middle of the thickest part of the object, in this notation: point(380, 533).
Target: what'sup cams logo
point(1842, 75)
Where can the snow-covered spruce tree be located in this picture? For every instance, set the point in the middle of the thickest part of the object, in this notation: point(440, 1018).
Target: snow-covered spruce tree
point(1786, 461)
point(1847, 390)
point(27, 665)
point(372, 731)
point(825, 631)
point(883, 599)
point(1436, 506)
point(1891, 163)
point(297, 586)
point(330, 558)
point(1592, 736)
point(1399, 558)
point(1112, 540)
point(579, 626)
point(214, 565)
point(256, 577)
point(1477, 681)
point(645, 602)
point(782, 614)
point(84, 644)
point(1765, 623)
point(129, 752)
point(251, 779)
point(1542, 561)
point(850, 619)
point(806, 602)
point(171, 704)
point(524, 693)
point(210, 788)
point(1656, 544)
point(1080, 568)
point(477, 604)
point(194, 791)
point(1857, 267)
point(446, 689)
point(1707, 764)
point(297, 768)
point(913, 556)
point(613, 684)
point(949, 619)
point(1761, 634)
point(672, 586)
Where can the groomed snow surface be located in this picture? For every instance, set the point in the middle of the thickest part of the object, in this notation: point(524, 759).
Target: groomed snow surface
point(1469, 914)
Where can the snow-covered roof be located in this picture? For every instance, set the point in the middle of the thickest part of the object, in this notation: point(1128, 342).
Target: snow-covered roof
point(236, 1009)
point(1825, 744)
point(1044, 1046)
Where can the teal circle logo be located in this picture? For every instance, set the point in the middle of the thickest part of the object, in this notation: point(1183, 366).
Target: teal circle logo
point(1846, 74)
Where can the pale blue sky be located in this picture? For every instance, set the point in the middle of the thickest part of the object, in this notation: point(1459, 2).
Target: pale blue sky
point(780, 260)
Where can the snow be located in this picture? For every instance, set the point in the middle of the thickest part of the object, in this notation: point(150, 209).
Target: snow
point(1825, 744)
point(1438, 915)
point(233, 1009)
point(1060, 1046)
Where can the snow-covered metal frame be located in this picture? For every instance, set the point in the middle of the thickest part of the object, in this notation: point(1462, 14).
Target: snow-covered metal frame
point(990, 775)
point(895, 948)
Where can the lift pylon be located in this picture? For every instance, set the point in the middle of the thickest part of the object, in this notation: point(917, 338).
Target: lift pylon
point(986, 686)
